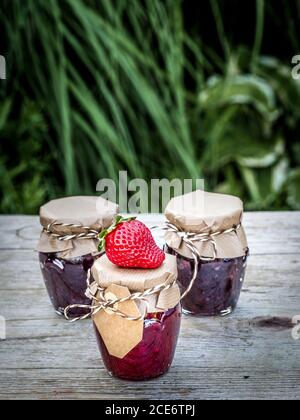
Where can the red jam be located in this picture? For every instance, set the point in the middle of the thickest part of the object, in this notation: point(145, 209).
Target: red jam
point(153, 356)
point(65, 281)
point(217, 286)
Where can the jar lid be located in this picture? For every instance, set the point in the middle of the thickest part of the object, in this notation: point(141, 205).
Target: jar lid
point(94, 212)
point(201, 211)
point(207, 214)
point(69, 221)
point(135, 279)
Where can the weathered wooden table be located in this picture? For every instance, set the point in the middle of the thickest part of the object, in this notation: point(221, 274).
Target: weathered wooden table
point(250, 354)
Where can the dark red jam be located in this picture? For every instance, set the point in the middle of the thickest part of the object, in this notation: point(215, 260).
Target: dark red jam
point(217, 287)
point(153, 356)
point(65, 281)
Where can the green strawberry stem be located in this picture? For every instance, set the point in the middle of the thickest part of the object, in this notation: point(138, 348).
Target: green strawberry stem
point(118, 219)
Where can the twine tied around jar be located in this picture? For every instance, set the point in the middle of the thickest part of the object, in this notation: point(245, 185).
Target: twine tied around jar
point(97, 293)
point(87, 234)
point(189, 238)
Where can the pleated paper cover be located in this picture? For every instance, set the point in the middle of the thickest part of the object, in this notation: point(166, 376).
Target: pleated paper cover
point(203, 212)
point(93, 212)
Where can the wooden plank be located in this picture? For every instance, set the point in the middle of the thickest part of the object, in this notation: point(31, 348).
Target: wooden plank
point(34, 304)
point(250, 354)
point(265, 231)
point(207, 383)
point(255, 343)
point(19, 232)
point(262, 271)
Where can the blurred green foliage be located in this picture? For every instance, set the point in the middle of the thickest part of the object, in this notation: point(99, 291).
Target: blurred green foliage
point(23, 166)
point(95, 87)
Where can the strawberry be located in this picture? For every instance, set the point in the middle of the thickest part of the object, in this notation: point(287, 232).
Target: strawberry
point(129, 243)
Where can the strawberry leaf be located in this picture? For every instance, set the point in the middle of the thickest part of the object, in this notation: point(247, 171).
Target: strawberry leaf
point(102, 235)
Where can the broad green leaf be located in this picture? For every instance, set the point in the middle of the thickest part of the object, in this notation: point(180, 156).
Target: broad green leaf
point(242, 90)
point(260, 156)
point(5, 108)
point(280, 174)
point(293, 189)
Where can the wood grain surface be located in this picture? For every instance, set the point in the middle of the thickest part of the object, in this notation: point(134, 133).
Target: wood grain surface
point(248, 355)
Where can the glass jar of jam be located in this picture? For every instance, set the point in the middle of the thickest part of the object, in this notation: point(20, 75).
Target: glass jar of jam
point(65, 280)
point(143, 349)
point(207, 226)
point(153, 356)
point(217, 287)
point(68, 247)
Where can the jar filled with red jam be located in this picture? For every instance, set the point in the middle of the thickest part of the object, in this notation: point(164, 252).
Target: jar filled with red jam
point(208, 227)
point(68, 247)
point(138, 349)
point(153, 356)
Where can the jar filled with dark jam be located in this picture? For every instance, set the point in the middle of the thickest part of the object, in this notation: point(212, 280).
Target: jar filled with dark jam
point(143, 349)
point(65, 281)
point(217, 287)
point(68, 247)
point(209, 224)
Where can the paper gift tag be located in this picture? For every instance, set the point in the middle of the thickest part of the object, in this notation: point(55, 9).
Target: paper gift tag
point(119, 334)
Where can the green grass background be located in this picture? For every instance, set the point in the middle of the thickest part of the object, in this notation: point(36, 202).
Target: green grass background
point(160, 88)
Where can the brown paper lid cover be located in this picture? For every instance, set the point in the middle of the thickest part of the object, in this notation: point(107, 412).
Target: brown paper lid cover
point(87, 211)
point(135, 279)
point(205, 212)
